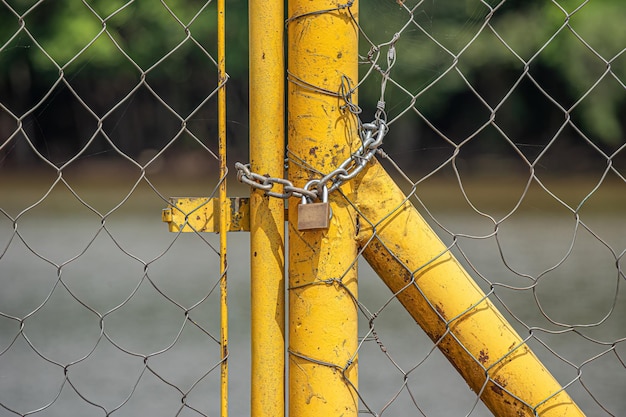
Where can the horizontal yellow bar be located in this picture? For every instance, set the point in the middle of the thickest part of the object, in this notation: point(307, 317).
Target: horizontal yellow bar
point(202, 214)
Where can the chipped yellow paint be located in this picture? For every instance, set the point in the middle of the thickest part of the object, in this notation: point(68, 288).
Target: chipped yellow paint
point(223, 224)
point(323, 336)
point(448, 304)
point(267, 215)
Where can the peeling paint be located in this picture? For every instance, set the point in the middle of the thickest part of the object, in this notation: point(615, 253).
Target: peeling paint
point(483, 356)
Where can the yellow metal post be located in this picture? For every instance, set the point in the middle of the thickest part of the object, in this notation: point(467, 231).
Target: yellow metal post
point(322, 47)
point(224, 204)
point(267, 215)
point(446, 302)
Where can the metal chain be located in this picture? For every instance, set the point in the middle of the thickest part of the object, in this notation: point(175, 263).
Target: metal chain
point(371, 135)
point(266, 183)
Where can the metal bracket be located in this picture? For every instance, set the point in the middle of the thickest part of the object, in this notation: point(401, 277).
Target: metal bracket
point(201, 214)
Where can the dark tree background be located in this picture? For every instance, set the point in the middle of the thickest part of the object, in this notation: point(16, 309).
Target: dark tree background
point(147, 32)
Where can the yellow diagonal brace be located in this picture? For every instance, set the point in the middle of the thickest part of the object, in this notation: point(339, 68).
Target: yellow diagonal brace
point(202, 214)
point(446, 302)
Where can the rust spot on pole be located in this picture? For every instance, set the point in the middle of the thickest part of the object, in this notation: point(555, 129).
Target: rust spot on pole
point(483, 356)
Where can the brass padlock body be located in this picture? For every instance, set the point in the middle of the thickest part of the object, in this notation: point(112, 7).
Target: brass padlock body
point(313, 216)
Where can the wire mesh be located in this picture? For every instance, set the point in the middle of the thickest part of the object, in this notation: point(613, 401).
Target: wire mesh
point(106, 110)
point(506, 131)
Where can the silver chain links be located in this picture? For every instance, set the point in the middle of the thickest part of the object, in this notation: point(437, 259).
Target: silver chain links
point(371, 134)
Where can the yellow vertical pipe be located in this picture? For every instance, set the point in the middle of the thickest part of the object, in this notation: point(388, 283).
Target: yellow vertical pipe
point(322, 47)
point(224, 203)
point(446, 302)
point(267, 214)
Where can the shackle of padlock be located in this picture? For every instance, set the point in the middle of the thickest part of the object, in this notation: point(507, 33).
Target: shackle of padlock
point(323, 198)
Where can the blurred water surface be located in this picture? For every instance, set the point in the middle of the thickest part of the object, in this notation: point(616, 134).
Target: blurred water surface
point(113, 334)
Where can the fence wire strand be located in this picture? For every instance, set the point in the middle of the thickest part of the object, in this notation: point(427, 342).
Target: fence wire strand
point(606, 339)
point(505, 131)
point(537, 221)
point(96, 315)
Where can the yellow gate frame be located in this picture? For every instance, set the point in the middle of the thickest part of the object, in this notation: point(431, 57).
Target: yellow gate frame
point(406, 253)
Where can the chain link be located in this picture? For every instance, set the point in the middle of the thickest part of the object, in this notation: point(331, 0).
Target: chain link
point(266, 183)
point(371, 134)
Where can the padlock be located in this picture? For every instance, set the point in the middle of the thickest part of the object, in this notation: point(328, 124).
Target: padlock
point(313, 216)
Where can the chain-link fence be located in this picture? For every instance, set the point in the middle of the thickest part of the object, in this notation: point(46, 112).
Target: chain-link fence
point(506, 130)
point(106, 110)
point(504, 127)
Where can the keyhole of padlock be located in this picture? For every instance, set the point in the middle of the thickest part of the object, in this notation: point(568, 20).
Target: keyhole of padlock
point(312, 216)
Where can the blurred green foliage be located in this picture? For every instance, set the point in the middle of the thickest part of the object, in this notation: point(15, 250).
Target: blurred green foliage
point(104, 49)
point(73, 33)
point(566, 46)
